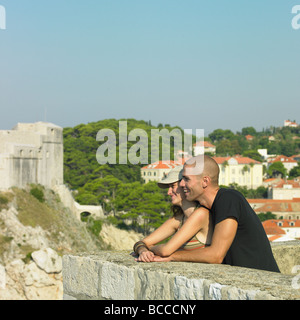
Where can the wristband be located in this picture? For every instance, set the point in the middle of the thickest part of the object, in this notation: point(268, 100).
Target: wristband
point(138, 245)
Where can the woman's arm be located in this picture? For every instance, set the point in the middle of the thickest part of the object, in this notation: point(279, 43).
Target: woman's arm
point(223, 237)
point(167, 229)
point(192, 226)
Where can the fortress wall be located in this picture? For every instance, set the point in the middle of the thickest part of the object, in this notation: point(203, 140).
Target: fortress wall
point(31, 153)
point(67, 199)
point(114, 275)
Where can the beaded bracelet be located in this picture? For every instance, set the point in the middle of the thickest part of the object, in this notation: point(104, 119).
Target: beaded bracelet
point(138, 245)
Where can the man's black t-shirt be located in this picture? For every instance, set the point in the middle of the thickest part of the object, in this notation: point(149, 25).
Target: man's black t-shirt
point(250, 247)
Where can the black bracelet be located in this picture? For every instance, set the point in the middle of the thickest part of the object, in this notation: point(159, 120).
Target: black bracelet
point(138, 245)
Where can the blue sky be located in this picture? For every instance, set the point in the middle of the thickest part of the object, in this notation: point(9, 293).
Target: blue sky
point(192, 63)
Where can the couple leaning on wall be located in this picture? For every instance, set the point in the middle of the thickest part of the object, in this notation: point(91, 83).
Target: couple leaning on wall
point(209, 224)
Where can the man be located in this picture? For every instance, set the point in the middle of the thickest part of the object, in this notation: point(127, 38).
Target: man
point(239, 238)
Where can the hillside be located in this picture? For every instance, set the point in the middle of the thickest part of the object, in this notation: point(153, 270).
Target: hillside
point(80, 147)
point(27, 227)
point(118, 188)
point(281, 140)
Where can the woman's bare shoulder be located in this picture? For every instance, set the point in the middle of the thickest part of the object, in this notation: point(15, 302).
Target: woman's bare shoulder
point(201, 210)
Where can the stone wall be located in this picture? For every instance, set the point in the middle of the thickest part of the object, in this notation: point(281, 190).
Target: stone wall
point(31, 153)
point(113, 275)
point(67, 199)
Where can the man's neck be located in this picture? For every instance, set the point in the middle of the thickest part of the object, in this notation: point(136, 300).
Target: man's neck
point(207, 199)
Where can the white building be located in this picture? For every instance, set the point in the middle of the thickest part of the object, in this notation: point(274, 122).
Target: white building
point(205, 146)
point(241, 170)
point(284, 190)
point(286, 209)
point(31, 153)
point(292, 124)
point(157, 170)
point(264, 154)
point(288, 162)
point(282, 230)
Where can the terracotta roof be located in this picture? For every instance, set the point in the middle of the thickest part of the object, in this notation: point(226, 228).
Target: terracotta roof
point(274, 230)
point(283, 159)
point(271, 181)
point(279, 183)
point(265, 205)
point(282, 183)
point(238, 158)
point(163, 164)
point(272, 238)
point(294, 200)
point(204, 144)
point(285, 223)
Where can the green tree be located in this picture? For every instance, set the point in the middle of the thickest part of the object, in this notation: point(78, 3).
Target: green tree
point(277, 169)
point(266, 216)
point(219, 134)
point(248, 130)
point(253, 154)
point(295, 172)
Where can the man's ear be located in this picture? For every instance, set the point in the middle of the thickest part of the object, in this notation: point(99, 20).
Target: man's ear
point(205, 181)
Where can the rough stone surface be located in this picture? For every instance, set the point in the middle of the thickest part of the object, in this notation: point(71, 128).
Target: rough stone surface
point(115, 275)
point(119, 239)
point(48, 260)
point(287, 255)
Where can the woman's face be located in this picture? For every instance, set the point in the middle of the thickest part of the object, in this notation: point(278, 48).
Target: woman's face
point(176, 193)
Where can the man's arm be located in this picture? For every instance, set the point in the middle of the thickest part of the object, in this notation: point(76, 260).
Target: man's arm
point(223, 236)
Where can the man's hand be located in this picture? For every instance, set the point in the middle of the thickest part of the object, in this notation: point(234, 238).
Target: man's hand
point(162, 259)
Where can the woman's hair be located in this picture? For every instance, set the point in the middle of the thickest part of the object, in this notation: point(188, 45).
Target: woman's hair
point(177, 211)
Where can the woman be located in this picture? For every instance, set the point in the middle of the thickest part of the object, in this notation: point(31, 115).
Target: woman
point(190, 224)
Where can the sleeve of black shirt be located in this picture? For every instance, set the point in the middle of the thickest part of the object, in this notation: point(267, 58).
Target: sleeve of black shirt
point(227, 206)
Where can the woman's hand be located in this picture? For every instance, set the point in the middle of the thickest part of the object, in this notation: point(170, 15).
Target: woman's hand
point(145, 256)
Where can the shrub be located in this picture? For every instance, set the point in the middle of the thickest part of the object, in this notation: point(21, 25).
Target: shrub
point(93, 225)
point(38, 194)
point(3, 200)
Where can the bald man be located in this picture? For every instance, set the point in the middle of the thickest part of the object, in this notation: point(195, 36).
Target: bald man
point(239, 238)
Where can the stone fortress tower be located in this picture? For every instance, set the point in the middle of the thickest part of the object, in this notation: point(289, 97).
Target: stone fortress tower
point(33, 153)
